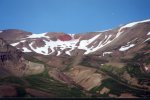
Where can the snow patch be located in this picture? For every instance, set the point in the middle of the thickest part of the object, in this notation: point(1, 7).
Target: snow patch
point(129, 25)
point(54, 44)
point(148, 33)
point(100, 45)
point(26, 50)
point(72, 35)
point(14, 44)
point(104, 53)
point(71, 45)
point(104, 30)
point(118, 34)
point(128, 46)
point(84, 43)
point(147, 39)
point(58, 53)
point(23, 41)
point(38, 35)
point(68, 53)
point(40, 50)
point(1, 31)
point(134, 23)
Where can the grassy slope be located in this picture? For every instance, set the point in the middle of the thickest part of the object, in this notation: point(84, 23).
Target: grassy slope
point(43, 83)
point(116, 84)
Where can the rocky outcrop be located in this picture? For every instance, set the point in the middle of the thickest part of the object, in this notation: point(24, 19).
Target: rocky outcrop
point(33, 68)
point(85, 76)
point(13, 62)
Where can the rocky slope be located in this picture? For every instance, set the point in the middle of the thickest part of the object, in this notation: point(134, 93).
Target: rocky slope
point(14, 62)
point(21, 74)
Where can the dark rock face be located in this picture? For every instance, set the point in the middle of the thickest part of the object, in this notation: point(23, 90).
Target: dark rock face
point(16, 63)
point(8, 52)
point(4, 56)
point(11, 60)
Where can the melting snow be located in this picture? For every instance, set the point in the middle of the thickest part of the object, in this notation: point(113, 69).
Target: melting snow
point(68, 53)
point(134, 23)
point(129, 25)
point(38, 35)
point(26, 50)
point(119, 33)
point(106, 53)
point(104, 30)
point(54, 44)
point(14, 44)
point(100, 45)
point(107, 40)
point(23, 41)
point(40, 50)
point(148, 33)
point(84, 43)
point(58, 53)
point(72, 35)
point(147, 39)
point(128, 46)
point(68, 44)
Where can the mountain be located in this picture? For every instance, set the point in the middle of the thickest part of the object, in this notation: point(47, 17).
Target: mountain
point(122, 41)
point(53, 43)
point(112, 63)
point(21, 74)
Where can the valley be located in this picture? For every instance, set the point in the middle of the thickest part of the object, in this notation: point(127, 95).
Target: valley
point(113, 63)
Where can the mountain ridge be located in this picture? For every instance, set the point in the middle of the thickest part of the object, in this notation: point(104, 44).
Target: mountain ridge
point(59, 43)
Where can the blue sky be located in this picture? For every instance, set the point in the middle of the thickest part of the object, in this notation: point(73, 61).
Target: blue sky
point(70, 16)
